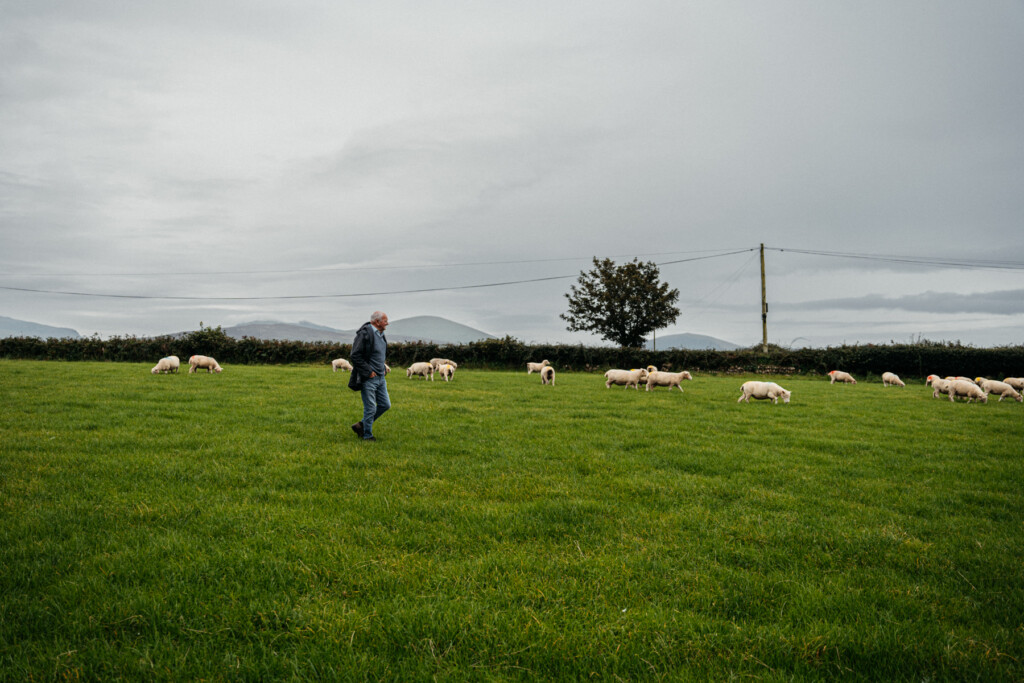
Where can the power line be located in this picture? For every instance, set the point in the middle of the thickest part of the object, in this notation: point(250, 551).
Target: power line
point(358, 268)
point(915, 260)
point(337, 296)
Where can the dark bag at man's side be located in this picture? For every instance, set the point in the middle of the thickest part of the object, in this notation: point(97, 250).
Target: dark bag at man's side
point(354, 382)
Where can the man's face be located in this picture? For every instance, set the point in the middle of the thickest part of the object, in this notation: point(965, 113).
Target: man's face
point(382, 323)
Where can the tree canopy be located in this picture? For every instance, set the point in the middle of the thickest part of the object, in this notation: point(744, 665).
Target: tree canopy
point(623, 304)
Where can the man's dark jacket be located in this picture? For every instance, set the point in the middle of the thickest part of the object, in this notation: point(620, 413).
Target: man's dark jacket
point(362, 347)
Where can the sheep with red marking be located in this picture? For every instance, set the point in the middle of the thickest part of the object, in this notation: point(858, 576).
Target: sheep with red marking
point(840, 376)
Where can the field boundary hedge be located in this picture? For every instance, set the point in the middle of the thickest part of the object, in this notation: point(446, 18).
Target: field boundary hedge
point(908, 360)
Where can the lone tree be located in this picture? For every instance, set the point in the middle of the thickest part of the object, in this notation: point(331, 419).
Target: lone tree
point(623, 303)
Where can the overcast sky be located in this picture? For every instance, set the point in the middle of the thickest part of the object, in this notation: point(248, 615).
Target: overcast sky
point(352, 152)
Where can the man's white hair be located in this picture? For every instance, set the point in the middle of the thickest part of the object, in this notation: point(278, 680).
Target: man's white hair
point(377, 315)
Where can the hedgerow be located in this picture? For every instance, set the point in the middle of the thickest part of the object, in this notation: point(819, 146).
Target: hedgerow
point(910, 360)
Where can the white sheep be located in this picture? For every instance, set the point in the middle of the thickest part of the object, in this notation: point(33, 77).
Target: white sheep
point(991, 386)
point(627, 378)
point(547, 375)
point(204, 362)
point(666, 379)
point(167, 365)
point(536, 367)
point(447, 371)
point(939, 385)
point(1015, 382)
point(340, 363)
point(763, 390)
point(424, 370)
point(840, 376)
point(891, 379)
point(968, 390)
point(438, 362)
point(651, 368)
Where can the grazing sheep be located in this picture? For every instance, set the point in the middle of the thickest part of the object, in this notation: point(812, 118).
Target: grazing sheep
point(667, 379)
point(425, 370)
point(628, 378)
point(547, 375)
point(967, 389)
point(204, 362)
point(763, 390)
point(891, 379)
point(438, 362)
point(536, 367)
point(991, 386)
point(939, 385)
point(1015, 382)
point(340, 363)
point(958, 377)
point(840, 376)
point(167, 365)
point(447, 371)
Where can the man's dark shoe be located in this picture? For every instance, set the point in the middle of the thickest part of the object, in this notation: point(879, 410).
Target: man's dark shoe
point(358, 429)
point(370, 438)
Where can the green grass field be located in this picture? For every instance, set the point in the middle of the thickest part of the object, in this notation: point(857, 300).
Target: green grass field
point(231, 526)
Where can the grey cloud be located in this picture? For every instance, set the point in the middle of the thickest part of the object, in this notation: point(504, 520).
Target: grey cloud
point(1006, 302)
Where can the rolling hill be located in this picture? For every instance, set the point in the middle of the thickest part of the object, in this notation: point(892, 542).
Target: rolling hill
point(11, 327)
point(695, 342)
point(425, 328)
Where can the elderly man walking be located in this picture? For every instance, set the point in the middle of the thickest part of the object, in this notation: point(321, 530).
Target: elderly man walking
point(369, 351)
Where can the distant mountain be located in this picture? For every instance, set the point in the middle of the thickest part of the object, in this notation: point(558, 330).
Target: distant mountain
point(425, 328)
point(695, 342)
point(10, 327)
point(289, 331)
point(430, 328)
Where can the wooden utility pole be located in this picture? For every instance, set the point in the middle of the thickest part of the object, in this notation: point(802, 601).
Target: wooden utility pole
point(764, 308)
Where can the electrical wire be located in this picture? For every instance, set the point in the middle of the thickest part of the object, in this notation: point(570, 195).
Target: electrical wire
point(336, 296)
point(355, 268)
point(915, 260)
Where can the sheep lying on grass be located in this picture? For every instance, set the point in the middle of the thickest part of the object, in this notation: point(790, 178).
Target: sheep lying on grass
point(424, 370)
point(204, 362)
point(890, 379)
point(763, 390)
point(666, 379)
point(166, 365)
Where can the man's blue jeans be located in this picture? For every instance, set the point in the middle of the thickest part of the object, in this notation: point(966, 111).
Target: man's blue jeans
point(375, 402)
